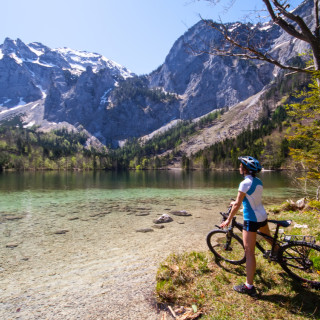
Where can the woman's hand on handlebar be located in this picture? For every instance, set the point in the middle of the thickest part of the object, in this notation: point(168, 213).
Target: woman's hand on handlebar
point(225, 223)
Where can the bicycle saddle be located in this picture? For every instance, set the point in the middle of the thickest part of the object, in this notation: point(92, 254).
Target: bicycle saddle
point(282, 223)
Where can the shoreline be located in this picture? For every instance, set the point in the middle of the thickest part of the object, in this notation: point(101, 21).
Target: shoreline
point(139, 170)
point(100, 267)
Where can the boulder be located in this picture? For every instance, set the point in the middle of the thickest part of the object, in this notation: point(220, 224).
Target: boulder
point(301, 203)
point(165, 218)
point(181, 213)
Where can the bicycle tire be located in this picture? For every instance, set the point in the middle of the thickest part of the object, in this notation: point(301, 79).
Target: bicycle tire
point(301, 260)
point(230, 250)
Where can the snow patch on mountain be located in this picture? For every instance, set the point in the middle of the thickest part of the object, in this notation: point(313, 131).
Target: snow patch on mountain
point(16, 58)
point(80, 60)
point(44, 92)
point(35, 51)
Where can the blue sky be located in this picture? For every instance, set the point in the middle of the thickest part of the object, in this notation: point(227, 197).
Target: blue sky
point(137, 34)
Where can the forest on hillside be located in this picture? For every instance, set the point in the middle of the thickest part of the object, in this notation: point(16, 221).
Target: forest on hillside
point(30, 149)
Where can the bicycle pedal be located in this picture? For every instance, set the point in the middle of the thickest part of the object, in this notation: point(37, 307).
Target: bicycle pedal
point(267, 254)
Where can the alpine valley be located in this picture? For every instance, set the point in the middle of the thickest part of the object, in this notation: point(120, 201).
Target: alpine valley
point(50, 89)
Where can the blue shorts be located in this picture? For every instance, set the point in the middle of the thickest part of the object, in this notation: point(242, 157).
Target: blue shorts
point(253, 226)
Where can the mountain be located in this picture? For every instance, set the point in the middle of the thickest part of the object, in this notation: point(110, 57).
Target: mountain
point(80, 90)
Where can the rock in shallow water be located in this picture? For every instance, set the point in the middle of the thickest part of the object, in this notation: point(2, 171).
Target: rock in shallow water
point(165, 218)
point(145, 230)
point(181, 213)
point(158, 226)
point(11, 245)
point(13, 217)
point(61, 231)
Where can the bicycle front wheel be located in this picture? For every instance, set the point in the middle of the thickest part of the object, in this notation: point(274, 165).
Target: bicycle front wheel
point(301, 260)
point(226, 246)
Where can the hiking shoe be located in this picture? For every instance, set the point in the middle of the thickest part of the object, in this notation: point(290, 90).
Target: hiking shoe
point(244, 289)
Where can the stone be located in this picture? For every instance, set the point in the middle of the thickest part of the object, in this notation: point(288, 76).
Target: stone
point(158, 226)
point(301, 203)
point(181, 213)
point(73, 218)
point(11, 245)
point(61, 231)
point(145, 230)
point(13, 217)
point(165, 218)
point(142, 214)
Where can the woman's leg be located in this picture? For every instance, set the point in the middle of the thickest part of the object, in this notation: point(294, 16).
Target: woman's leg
point(249, 242)
point(265, 229)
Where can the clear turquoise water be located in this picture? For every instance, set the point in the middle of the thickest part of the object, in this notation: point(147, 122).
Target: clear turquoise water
point(22, 191)
point(101, 258)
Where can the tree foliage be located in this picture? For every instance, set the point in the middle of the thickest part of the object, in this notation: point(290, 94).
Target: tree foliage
point(305, 134)
point(251, 141)
point(29, 149)
point(136, 90)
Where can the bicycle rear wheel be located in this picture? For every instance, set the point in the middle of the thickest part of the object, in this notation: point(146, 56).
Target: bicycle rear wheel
point(226, 246)
point(301, 260)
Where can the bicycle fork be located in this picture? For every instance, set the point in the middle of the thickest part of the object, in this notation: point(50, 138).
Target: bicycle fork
point(227, 246)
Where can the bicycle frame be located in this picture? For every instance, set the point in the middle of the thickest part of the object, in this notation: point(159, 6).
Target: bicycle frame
point(299, 257)
point(273, 239)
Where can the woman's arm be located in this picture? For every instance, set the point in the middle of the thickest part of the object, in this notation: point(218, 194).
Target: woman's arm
point(235, 207)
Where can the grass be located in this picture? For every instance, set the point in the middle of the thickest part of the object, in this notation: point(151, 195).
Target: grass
point(197, 279)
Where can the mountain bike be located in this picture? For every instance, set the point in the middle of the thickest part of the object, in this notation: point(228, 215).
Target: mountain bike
point(299, 256)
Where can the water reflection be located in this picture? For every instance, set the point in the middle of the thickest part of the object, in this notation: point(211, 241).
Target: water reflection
point(173, 179)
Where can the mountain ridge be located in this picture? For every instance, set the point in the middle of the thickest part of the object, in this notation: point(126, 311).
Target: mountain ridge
point(76, 89)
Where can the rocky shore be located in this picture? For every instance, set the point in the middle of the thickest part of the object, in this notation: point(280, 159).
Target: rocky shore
point(68, 263)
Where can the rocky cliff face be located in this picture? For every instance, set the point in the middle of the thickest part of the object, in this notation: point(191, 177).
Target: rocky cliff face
point(208, 82)
point(51, 86)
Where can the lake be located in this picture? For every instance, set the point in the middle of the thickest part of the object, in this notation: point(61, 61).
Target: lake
point(69, 242)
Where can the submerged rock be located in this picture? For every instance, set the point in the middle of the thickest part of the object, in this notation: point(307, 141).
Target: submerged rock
point(61, 231)
point(158, 226)
point(181, 213)
point(145, 230)
point(13, 217)
point(11, 245)
point(165, 218)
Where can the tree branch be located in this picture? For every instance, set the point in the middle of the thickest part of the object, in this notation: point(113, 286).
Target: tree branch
point(305, 34)
point(288, 21)
point(248, 52)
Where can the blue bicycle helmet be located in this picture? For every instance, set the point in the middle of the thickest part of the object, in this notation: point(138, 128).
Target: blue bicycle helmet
point(251, 164)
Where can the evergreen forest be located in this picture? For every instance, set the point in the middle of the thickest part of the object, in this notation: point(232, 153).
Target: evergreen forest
point(30, 149)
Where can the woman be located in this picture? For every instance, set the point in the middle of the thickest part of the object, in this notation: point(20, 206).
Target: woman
point(254, 216)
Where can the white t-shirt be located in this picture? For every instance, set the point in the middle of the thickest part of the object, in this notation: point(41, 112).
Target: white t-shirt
point(253, 209)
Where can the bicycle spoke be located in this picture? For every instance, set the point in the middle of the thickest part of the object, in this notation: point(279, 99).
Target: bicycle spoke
point(301, 260)
point(226, 247)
